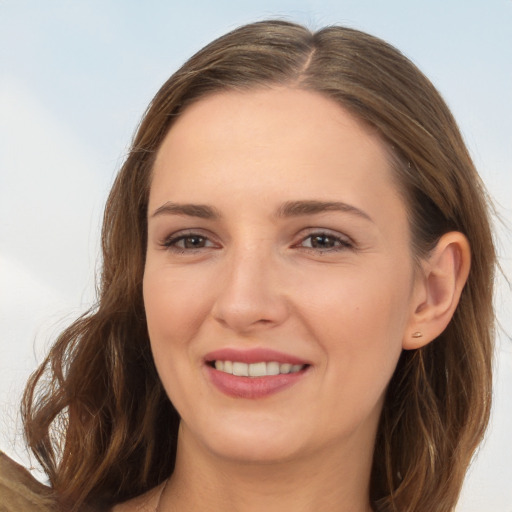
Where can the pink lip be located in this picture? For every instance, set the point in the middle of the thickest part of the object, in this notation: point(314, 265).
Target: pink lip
point(255, 355)
point(252, 387)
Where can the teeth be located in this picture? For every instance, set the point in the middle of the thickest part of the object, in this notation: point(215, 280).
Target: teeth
point(272, 368)
point(261, 369)
point(285, 368)
point(257, 370)
point(240, 369)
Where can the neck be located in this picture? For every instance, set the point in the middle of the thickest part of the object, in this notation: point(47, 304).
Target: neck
point(337, 479)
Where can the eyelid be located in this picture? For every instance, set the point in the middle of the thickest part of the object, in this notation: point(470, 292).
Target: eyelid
point(169, 242)
point(346, 242)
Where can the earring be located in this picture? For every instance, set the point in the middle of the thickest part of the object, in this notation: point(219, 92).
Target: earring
point(417, 334)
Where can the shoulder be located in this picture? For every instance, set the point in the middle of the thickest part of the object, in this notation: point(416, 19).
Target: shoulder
point(21, 491)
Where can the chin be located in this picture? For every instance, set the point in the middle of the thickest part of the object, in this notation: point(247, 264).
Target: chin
point(250, 442)
point(256, 452)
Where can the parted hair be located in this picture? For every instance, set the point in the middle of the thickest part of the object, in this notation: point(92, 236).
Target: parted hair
point(95, 413)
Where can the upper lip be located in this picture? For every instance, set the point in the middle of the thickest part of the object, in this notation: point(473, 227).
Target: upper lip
point(254, 355)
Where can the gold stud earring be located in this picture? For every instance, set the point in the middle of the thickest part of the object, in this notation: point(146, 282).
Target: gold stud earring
point(417, 334)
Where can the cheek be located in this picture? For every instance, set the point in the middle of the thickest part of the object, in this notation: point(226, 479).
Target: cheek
point(176, 306)
point(173, 302)
point(175, 309)
point(358, 318)
point(360, 300)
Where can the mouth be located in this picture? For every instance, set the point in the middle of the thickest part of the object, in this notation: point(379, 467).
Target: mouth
point(255, 373)
point(255, 370)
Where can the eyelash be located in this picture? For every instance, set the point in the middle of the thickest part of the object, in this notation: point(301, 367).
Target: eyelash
point(341, 243)
point(172, 242)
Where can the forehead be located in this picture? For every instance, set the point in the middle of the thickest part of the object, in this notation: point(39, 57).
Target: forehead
point(274, 142)
point(265, 112)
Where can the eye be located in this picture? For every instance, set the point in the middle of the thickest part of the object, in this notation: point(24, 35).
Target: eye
point(191, 242)
point(325, 242)
point(187, 242)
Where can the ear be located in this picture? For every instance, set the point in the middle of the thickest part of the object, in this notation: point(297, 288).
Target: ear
point(437, 289)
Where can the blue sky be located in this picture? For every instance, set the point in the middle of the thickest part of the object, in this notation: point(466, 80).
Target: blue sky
point(75, 77)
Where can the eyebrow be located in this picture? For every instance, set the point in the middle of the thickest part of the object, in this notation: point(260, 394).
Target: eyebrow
point(202, 211)
point(312, 207)
point(288, 209)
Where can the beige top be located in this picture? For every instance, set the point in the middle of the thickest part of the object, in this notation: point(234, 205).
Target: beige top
point(20, 491)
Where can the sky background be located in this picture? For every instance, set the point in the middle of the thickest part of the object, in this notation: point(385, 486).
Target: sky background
point(75, 78)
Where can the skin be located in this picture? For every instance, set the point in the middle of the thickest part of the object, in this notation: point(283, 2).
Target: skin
point(347, 301)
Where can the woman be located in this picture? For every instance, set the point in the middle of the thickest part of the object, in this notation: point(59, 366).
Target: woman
point(295, 307)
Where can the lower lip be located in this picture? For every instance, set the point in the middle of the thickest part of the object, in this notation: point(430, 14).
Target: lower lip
point(252, 387)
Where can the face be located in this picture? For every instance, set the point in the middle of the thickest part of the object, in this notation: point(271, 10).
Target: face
point(279, 274)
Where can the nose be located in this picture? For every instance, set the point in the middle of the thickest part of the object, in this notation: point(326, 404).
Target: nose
point(250, 295)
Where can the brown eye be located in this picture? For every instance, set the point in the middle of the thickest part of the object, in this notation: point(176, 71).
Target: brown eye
point(325, 242)
point(188, 242)
point(193, 242)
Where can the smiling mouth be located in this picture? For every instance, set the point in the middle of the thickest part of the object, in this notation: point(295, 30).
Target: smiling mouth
point(260, 369)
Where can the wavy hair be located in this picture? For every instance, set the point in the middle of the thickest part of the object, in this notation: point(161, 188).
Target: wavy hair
point(95, 413)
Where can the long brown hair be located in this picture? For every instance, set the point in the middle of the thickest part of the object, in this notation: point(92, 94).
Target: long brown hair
point(95, 412)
